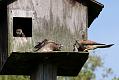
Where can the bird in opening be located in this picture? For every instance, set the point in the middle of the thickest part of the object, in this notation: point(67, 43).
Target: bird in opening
point(47, 46)
point(19, 33)
point(86, 45)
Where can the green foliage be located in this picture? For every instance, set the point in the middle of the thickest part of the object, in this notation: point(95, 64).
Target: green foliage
point(115, 78)
point(14, 77)
point(87, 72)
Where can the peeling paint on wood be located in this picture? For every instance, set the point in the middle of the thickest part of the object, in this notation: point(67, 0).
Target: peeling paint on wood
point(63, 21)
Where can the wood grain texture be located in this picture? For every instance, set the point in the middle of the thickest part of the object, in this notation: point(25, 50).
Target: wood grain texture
point(45, 72)
point(63, 21)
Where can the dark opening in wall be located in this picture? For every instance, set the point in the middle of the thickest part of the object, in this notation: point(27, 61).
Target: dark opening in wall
point(22, 27)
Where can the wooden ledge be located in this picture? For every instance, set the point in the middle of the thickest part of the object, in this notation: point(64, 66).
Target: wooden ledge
point(68, 63)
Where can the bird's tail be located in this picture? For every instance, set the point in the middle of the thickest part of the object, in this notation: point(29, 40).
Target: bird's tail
point(105, 46)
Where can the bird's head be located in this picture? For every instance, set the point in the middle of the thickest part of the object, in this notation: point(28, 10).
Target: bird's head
point(19, 31)
point(60, 46)
point(78, 45)
point(83, 36)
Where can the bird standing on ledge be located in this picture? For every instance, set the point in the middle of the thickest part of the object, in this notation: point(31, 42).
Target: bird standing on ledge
point(47, 46)
point(86, 45)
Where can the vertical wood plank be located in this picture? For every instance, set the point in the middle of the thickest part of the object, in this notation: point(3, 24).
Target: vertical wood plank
point(45, 72)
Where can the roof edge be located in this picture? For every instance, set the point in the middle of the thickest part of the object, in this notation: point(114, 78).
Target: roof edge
point(94, 9)
point(98, 3)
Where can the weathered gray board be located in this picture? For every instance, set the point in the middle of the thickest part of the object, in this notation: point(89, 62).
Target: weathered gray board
point(62, 21)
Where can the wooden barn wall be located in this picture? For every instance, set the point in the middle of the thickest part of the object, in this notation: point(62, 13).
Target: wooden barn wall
point(63, 21)
point(3, 35)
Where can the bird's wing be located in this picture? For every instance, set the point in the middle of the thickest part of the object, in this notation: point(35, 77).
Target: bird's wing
point(89, 42)
point(105, 46)
point(38, 44)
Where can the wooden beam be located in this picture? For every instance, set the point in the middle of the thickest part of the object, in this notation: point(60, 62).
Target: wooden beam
point(45, 72)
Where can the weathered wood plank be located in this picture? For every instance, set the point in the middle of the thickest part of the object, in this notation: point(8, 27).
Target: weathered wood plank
point(45, 72)
point(63, 21)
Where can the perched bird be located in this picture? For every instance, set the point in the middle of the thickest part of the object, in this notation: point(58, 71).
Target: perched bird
point(51, 46)
point(19, 41)
point(86, 45)
point(19, 33)
point(47, 46)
